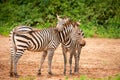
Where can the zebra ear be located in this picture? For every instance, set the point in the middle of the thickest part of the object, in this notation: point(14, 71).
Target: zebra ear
point(78, 23)
point(58, 17)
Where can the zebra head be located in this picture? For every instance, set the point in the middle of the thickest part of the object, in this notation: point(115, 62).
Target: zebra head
point(67, 27)
point(66, 22)
point(80, 38)
point(61, 22)
point(76, 34)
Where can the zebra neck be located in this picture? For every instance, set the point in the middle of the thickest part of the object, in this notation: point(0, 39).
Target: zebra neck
point(67, 42)
point(63, 37)
point(70, 43)
point(65, 34)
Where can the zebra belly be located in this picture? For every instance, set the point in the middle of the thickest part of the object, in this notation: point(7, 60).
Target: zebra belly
point(39, 49)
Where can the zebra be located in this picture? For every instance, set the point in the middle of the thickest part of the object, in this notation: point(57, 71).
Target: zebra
point(74, 46)
point(46, 40)
point(75, 49)
point(32, 40)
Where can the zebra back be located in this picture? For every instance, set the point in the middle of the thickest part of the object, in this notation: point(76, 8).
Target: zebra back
point(22, 29)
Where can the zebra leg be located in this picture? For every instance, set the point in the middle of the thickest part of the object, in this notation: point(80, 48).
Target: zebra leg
point(70, 61)
point(78, 59)
point(11, 66)
point(16, 58)
point(64, 51)
point(50, 56)
point(76, 63)
point(79, 52)
point(42, 61)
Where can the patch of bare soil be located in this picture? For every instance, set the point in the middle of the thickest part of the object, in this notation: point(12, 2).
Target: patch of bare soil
point(99, 58)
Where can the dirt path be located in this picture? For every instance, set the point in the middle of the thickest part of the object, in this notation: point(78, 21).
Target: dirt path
point(99, 58)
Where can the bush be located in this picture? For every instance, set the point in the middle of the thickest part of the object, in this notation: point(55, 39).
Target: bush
point(95, 15)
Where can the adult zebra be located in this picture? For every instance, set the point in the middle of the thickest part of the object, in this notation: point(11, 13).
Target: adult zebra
point(35, 40)
point(74, 46)
point(46, 40)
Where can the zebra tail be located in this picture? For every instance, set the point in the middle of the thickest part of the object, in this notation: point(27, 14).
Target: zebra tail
point(12, 42)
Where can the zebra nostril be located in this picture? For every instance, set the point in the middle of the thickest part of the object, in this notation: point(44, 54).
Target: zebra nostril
point(79, 33)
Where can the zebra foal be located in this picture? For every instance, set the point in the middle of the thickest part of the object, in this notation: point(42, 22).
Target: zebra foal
point(74, 48)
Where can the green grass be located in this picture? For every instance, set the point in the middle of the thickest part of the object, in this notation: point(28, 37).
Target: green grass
point(83, 77)
point(27, 78)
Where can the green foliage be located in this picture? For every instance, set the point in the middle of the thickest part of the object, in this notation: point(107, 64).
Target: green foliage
point(98, 17)
point(112, 32)
point(88, 30)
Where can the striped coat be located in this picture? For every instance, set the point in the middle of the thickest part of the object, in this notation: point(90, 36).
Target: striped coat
point(46, 40)
point(74, 44)
point(74, 48)
point(33, 40)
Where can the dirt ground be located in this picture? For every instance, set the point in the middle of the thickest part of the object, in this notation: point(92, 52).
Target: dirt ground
point(99, 58)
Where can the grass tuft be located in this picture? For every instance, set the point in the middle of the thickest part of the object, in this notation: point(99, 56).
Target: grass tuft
point(27, 78)
point(83, 77)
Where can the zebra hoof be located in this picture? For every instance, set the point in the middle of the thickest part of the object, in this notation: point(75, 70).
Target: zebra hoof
point(64, 73)
point(71, 73)
point(11, 74)
point(39, 73)
point(16, 75)
point(50, 73)
point(76, 73)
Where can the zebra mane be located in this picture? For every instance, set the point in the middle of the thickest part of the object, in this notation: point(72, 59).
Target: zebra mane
point(67, 24)
point(71, 22)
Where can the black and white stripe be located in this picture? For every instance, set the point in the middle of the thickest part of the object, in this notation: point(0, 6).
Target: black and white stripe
point(74, 47)
point(46, 40)
point(32, 40)
point(73, 44)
